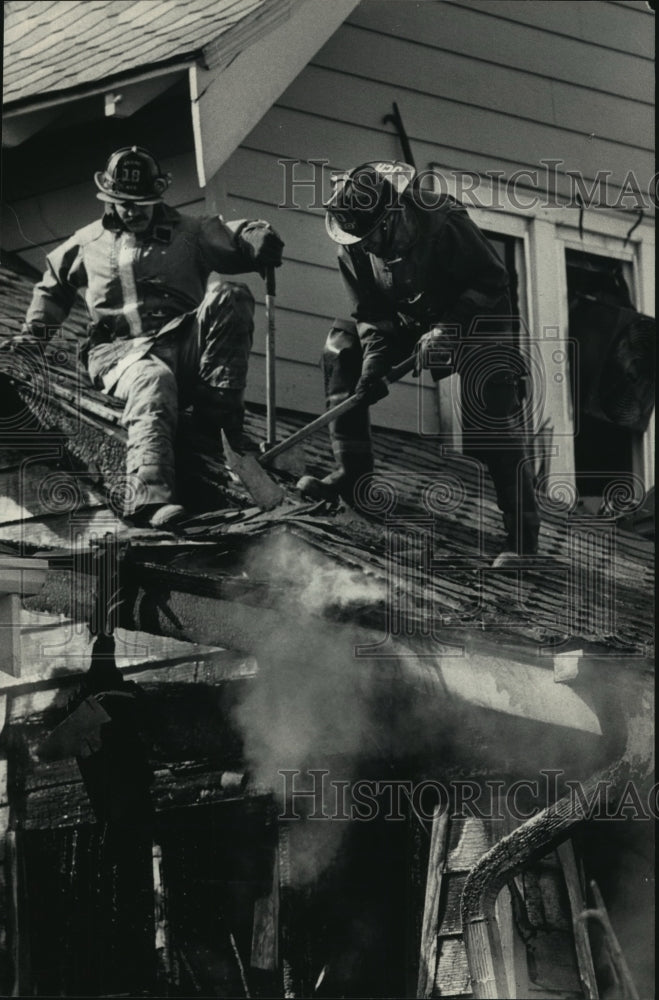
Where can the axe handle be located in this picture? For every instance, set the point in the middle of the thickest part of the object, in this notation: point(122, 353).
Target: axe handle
point(394, 375)
point(270, 356)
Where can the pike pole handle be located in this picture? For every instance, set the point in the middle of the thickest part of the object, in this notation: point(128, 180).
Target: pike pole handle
point(394, 375)
point(270, 357)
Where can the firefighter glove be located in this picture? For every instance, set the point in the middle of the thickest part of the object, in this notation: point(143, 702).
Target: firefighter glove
point(261, 244)
point(433, 350)
point(371, 388)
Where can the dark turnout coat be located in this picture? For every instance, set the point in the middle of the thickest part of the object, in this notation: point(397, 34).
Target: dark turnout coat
point(450, 276)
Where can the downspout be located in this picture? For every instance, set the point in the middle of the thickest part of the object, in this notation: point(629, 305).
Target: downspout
point(532, 841)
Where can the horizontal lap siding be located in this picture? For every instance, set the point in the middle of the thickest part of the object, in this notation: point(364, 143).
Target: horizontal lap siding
point(309, 290)
point(486, 36)
point(430, 119)
point(479, 89)
point(418, 69)
point(606, 25)
point(482, 85)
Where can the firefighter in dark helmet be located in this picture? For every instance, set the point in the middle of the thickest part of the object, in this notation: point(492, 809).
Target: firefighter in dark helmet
point(421, 277)
point(159, 337)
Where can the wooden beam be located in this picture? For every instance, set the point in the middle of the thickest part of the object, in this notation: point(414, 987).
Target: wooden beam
point(18, 913)
point(17, 130)
point(10, 635)
point(578, 904)
point(285, 942)
point(162, 940)
point(21, 576)
point(436, 868)
point(265, 929)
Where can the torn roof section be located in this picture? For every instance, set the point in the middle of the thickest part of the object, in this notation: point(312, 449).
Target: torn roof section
point(592, 586)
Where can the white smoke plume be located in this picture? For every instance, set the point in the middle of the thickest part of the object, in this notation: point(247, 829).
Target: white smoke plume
point(313, 703)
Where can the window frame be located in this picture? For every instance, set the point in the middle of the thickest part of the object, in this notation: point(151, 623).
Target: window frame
point(544, 234)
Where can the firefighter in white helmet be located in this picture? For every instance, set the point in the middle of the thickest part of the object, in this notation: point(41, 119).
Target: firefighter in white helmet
point(159, 338)
point(421, 277)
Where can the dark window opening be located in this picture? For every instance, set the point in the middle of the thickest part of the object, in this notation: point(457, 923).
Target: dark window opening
point(505, 248)
point(97, 931)
point(609, 388)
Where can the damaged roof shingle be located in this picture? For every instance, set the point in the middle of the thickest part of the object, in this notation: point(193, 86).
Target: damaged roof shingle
point(578, 590)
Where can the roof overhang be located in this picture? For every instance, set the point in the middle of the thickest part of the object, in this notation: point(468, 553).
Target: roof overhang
point(230, 98)
point(233, 81)
point(120, 97)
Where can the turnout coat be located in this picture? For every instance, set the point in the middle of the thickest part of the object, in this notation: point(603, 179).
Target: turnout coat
point(135, 286)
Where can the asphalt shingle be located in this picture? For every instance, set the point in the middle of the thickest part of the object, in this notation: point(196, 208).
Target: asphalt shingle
point(51, 47)
point(576, 592)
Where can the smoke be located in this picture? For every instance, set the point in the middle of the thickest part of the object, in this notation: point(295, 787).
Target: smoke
point(318, 583)
point(313, 705)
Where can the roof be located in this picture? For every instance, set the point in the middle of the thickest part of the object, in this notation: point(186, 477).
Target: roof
point(614, 610)
point(58, 45)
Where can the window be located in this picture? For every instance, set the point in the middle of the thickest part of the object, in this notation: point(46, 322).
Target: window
point(611, 387)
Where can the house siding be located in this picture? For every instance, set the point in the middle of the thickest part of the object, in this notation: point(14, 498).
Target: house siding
point(482, 85)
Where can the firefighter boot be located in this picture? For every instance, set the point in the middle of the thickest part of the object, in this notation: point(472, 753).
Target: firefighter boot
point(350, 435)
point(353, 461)
point(217, 410)
point(521, 541)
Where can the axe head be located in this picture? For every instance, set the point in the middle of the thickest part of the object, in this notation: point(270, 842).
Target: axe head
point(263, 490)
point(292, 463)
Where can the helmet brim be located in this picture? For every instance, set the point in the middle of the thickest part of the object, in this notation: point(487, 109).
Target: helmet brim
point(121, 199)
point(339, 235)
point(114, 199)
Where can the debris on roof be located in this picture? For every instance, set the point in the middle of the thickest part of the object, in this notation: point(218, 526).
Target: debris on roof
point(445, 561)
point(308, 636)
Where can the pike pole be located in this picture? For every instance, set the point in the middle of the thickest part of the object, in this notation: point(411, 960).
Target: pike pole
point(270, 358)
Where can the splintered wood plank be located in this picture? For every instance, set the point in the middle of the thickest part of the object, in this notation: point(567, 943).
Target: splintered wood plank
point(451, 920)
point(436, 867)
point(10, 636)
point(265, 929)
point(577, 899)
point(19, 912)
point(285, 901)
point(162, 934)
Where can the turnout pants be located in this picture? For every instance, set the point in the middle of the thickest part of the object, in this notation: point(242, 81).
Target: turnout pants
point(200, 362)
point(491, 410)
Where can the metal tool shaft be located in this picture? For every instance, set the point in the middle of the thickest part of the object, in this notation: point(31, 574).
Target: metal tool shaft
point(270, 358)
